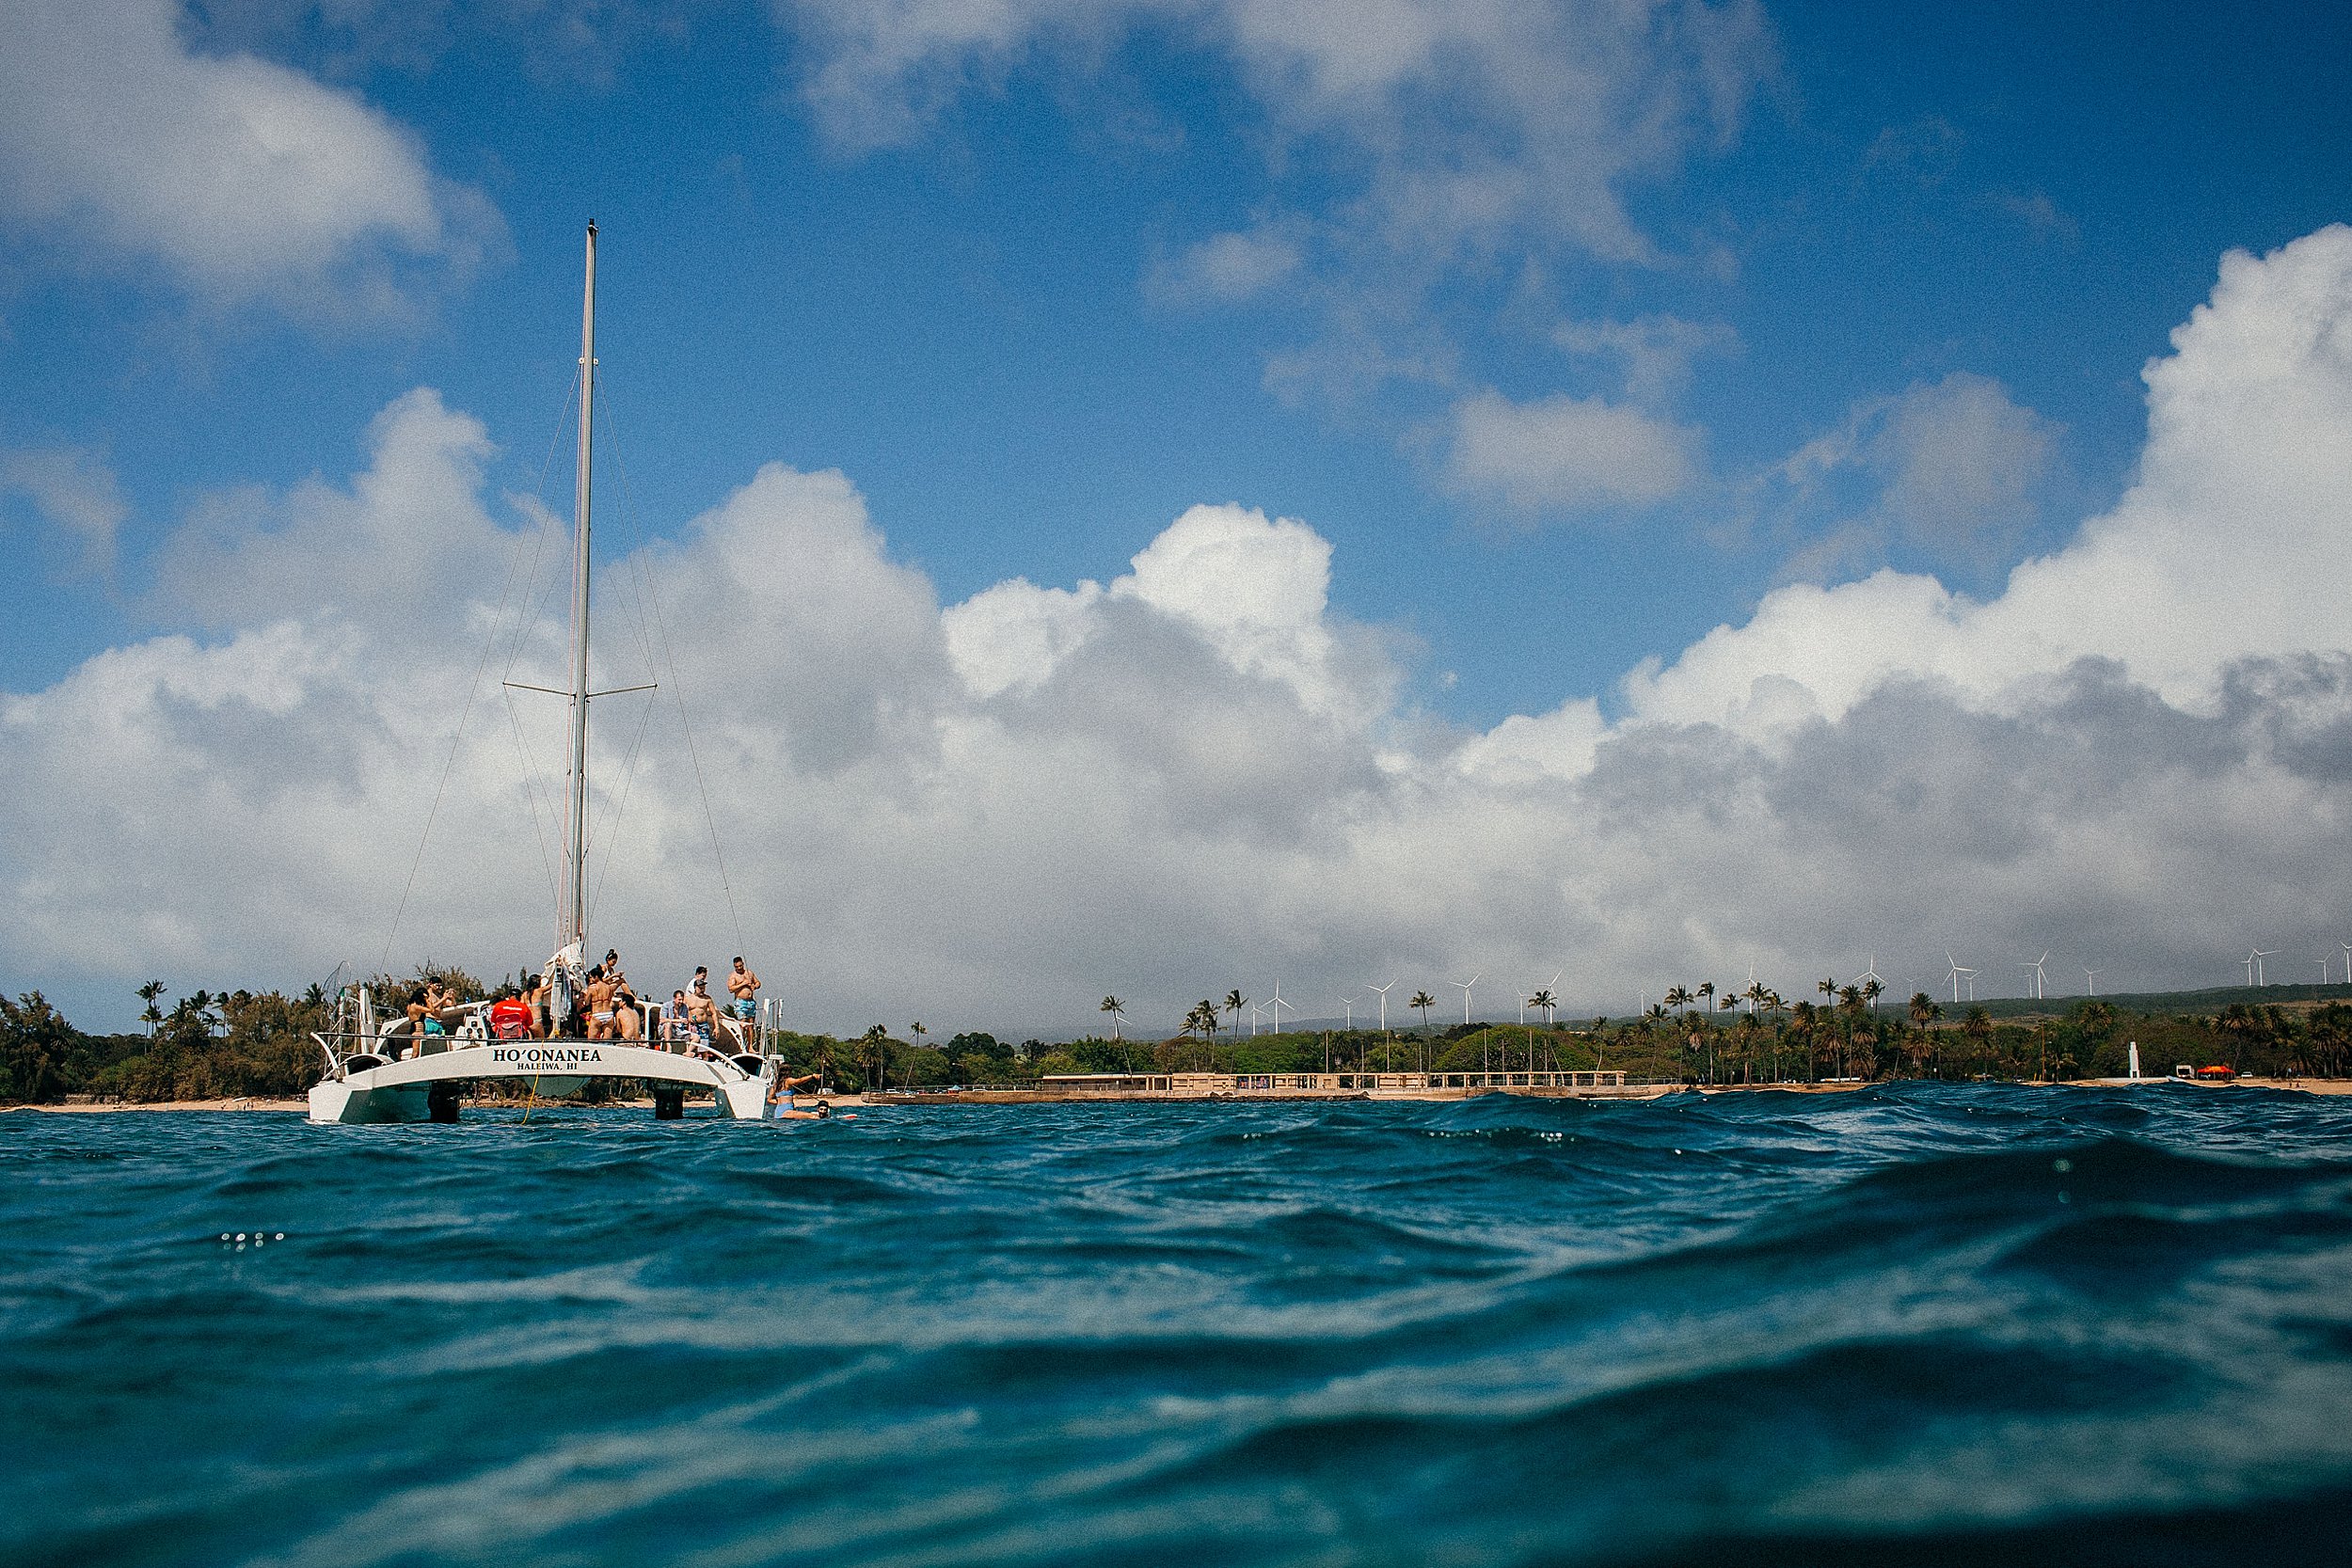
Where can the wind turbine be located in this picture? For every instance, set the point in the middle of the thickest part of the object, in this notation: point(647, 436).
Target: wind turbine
point(2039, 978)
point(2090, 980)
point(1466, 992)
point(2347, 961)
point(1958, 975)
point(1869, 974)
point(1384, 1003)
point(1277, 1005)
point(1253, 1021)
point(1349, 1002)
point(2253, 962)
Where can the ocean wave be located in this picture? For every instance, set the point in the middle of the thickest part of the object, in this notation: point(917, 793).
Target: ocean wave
point(1915, 1323)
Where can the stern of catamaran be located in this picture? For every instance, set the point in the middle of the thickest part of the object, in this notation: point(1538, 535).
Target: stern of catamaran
point(378, 1075)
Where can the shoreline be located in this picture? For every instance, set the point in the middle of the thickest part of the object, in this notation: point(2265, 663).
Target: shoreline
point(2324, 1086)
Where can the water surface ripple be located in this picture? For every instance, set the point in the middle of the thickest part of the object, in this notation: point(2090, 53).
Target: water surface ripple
point(1924, 1324)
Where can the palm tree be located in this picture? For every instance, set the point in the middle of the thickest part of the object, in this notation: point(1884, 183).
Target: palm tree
point(1235, 1003)
point(1118, 1010)
point(154, 1015)
point(1871, 990)
point(877, 1042)
point(1707, 989)
point(1542, 1002)
point(1676, 998)
point(1423, 1001)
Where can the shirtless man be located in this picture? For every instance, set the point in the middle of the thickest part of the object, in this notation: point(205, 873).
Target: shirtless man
point(743, 985)
point(626, 1021)
point(702, 1012)
point(599, 1005)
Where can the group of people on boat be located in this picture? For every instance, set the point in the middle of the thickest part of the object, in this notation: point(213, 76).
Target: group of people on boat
point(608, 1007)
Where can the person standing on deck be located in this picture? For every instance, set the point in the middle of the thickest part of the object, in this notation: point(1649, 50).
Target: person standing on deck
point(743, 985)
point(600, 990)
point(701, 1011)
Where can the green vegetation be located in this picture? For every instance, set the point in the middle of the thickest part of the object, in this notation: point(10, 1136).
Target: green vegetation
point(212, 1046)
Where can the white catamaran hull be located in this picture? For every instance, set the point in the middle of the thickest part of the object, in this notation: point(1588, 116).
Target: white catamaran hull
point(403, 1090)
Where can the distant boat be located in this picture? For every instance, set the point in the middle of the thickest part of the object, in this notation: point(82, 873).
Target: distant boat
point(382, 1070)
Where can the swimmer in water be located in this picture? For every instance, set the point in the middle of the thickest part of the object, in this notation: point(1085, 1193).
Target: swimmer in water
point(780, 1105)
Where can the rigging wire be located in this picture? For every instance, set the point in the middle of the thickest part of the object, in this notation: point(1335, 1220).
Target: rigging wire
point(473, 688)
point(693, 755)
point(628, 781)
point(530, 790)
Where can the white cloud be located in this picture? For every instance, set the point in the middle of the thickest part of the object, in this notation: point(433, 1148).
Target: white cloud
point(2213, 554)
point(1955, 466)
point(1569, 453)
point(74, 492)
point(1655, 351)
point(1198, 774)
point(1475, 118)
point(244, 178)
point(1227, 267)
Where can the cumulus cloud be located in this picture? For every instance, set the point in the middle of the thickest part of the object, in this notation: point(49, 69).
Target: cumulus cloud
point(2206, 559)
point(244, 178)
point(1569, 453)
point(1198, 773)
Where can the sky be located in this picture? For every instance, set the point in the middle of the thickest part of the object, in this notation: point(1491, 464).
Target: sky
point(1157, 497)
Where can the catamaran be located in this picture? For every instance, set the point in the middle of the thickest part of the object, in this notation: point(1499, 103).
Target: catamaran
point(389, 1068)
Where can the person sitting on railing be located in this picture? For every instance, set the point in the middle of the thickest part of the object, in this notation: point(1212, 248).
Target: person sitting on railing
point(673, 1026)
point(627, 1020)
point(511, 1019)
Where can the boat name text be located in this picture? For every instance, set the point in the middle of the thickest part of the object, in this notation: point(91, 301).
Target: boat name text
point(544, 1055)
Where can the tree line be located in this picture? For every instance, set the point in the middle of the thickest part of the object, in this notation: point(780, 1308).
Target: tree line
point(219, 1045)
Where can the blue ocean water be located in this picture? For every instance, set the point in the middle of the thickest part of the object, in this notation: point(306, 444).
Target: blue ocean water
point(1922, 1324)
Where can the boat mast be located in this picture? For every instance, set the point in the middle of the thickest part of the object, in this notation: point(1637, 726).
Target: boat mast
point(574, 917)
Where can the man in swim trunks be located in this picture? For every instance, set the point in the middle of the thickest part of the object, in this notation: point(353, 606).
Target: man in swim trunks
point(743, 985)
point(674, 1026)
point(701, 1011)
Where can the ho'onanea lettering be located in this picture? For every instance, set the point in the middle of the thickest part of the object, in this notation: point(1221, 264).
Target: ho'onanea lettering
point(544, 1055)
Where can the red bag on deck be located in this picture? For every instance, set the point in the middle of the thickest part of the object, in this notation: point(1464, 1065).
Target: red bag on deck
point(510, 1020)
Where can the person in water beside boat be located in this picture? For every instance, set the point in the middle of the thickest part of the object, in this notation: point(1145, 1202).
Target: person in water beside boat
point(780, 1104)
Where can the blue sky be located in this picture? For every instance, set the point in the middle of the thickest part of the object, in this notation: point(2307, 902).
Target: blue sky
point(1573, 340)
point(964, 323)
